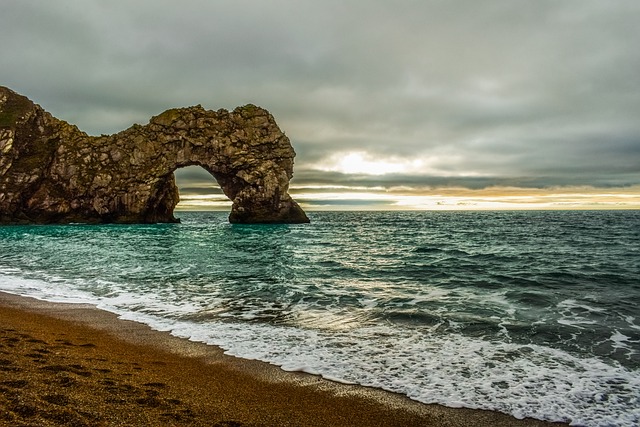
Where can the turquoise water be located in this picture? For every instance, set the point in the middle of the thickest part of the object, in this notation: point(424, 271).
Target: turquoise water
point(530, 313)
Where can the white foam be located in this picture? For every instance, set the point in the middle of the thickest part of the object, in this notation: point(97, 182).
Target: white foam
point(576, 322)
point(54, 290)
point(573, 304)
point(454, 370)
point(619, 340)
point(525, 381)
point(623, 342)
point(631, 321)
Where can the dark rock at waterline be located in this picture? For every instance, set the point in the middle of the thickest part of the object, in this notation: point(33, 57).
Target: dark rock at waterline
point(51, 172)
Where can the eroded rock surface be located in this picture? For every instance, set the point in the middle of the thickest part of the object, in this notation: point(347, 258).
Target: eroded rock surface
point(51, 172)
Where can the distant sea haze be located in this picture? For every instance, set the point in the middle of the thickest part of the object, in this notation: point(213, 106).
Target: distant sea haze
point(532, 313)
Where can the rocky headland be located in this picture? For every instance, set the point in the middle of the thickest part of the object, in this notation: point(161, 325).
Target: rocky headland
point(51, 172)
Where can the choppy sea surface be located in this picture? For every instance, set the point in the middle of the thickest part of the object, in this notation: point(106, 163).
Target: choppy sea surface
point(535, 314)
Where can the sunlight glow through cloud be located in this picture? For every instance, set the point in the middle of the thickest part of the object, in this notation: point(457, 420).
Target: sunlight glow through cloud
point(363, 163)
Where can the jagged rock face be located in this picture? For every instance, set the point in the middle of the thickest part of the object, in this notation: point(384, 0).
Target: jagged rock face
point(51, 172)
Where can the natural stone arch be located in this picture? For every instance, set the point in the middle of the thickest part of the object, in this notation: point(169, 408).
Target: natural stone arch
point(52, 172)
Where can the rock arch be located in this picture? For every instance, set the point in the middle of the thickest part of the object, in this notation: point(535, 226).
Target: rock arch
point(51, 172)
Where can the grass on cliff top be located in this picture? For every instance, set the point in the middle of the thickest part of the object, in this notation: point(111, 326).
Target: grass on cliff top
point(14, 108)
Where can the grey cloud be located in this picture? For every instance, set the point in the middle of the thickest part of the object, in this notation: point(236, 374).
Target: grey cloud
point(307, 180)
point(531, 93)
point(195, 180)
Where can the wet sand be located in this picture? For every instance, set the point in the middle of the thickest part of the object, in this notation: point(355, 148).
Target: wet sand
point(74, 365)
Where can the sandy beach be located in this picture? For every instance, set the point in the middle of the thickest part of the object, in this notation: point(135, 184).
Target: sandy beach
point(71, 364)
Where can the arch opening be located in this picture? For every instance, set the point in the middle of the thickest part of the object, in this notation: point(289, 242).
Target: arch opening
point(199, 191)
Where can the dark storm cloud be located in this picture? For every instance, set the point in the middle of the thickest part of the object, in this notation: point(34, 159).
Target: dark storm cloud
point(500, 92)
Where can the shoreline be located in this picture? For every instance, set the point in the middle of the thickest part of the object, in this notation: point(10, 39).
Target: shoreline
point(74, 364)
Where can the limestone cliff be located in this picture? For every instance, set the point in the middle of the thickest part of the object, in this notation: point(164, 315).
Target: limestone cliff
point(51, 172)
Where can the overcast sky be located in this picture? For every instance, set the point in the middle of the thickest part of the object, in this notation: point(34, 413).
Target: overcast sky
point(382, 100)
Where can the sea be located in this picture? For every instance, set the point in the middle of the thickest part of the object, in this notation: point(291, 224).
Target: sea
point(530, 313)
